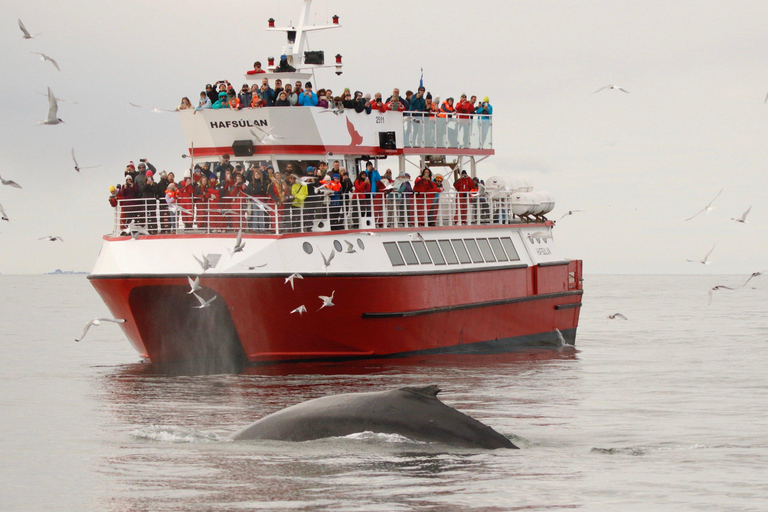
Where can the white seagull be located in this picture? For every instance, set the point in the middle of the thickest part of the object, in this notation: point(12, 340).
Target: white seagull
point(57, 98)
point(254, 267)
point(44, 57)
point(742, 219)
point(612, 87)
point(300, 310)
point(203, 303)
point(239, 244)
point(754, 274)
point(416, 237)
point(52, 238)
point(205, 263)
point(3, 215)
point(155, 110)
point(10, 183)
point(53, 109)
point(290, 279)
point(369, 233)
point(195, 285)
point(709, 207)
point(616, 315)
point(267, 135)
point(26, 35)
point(570, 212)
point(350, 247)
point(327, 301)
point(97, 321)
point(135, 230)
point(705, 261)
point(77, 166)
point(327, 261)
point(714, 289)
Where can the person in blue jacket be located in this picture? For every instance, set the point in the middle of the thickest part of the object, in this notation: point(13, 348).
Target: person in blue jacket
point(486, 110)
point(222, 103)
point(308, 98)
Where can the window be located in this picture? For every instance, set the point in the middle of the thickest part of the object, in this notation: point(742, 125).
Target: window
point(510, 248)
point(461, 251)
point(474, 250)
point(360, 244)
point(434, 251)
point(394, 254)
point(498, 250)
point(337, 245)
point(421, 252)
point(307, 247)
point(485, 247)
point(450, 256)
point(408, 254)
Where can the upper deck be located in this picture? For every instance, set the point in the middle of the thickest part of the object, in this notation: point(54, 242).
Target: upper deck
point(319, 131)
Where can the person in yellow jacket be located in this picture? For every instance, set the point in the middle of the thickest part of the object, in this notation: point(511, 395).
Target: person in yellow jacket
point(299, 193)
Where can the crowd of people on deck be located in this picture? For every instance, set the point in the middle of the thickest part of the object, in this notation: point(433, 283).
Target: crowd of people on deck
point(227, 196)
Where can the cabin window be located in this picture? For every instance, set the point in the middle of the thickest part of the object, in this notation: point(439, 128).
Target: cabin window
point(498, 250)
point(408, 254)
point(461, 251)
point(307, 247)
point(421, 252)
point(474, 250)
point(450, 256)
point(394, 254)
point(485, 247)
point(337, 245)
point(434, 251)
point(510, 248)
point(360, 244)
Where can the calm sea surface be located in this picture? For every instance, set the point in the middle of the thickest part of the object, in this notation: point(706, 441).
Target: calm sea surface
point(666, 411)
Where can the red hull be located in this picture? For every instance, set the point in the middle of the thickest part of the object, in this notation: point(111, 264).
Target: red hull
point(374, 315)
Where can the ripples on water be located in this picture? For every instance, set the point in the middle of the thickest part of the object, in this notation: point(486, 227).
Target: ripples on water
point(663, 412)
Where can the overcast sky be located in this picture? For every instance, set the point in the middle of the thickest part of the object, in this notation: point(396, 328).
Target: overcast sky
point(695, 119)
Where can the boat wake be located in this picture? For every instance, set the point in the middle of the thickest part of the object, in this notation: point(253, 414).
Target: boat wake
point(173, 434)
point(645, 450)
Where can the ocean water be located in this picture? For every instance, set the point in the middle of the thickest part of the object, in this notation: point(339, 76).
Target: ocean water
point(665, 411)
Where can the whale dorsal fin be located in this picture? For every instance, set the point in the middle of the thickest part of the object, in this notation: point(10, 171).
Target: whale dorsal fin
point(427, 391)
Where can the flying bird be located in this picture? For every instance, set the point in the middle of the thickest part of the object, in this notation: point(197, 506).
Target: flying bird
point(155, 110)
point(203, 303)
point(570, 212)
point(617, 315)
point(267, 135)
point(53, 109)
point(327, 261)
point(44, 57)
point(195, 285)
point(26, 35)
point(52, 238)
point(254, 267)
point(239, 244)
point(327, 301)
point(754, 274)
point(369, 233)
point(3, 215)
point(77, 166)
point(350, 247)
point(10, 183)
point(743, 218)
point(705, 261)
point(613, 86)
point(416, 237)
point(205, 263)
point(290, 279)
point(97, 321)
point(709, 207)
point(714, 289)
point(300, 310)
point(135, 230)
point(57, 98)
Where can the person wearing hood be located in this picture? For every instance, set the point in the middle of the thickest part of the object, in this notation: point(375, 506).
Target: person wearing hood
point(463, 187)
point(210, 91)
point(447, 112)
point(129, 192)
point(186, 193)
point(426, 192)
point(361, 195)
point(205, 102)
point(222, 102)
point(404, 199)
point(150, 194)
point(282, 100)
point(245, 96)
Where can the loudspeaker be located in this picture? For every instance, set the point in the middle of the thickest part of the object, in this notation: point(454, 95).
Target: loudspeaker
point(321, 225)
point(243, 148)
point(317, 57)
point(387, 140)
point(366, 223)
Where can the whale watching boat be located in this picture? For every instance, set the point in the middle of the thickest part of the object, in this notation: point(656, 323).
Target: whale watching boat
point(339, 276)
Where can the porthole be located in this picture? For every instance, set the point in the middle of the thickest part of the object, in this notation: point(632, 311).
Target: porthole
point(308, 248)
point(337, 245)
point(360, 244)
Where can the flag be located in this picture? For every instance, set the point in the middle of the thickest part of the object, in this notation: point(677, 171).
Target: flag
point(421, 80)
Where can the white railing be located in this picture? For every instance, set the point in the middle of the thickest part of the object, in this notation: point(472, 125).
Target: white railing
point(318, 213)
point(462, 131)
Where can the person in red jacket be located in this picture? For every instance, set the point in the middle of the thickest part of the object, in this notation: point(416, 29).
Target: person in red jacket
point(377, 104)
point(361, 195)
point(463, 186)
point(186, 198)
point(464, 108)
point(201, 203)
point(213, 206)
point(426, 194)
point(238, 195)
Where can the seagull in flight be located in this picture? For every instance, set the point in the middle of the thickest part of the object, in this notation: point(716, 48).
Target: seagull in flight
point(203, 303)
point(26, 35)
point(705, 261)
point(254, 267)
point(44, 57)
point(617, 315)
point(416, 237)
point(136, 229)
point(267, 135)
point(570, 212)
point(3, 215)
point(239, 244)
point(52, 238)
point(53, 109)
point(300, 310)
point(77, 166)
point(155, 110)
point(195, 285)
point(350, 247)
point(327, 301)
point(709, 207)
point(205, 263)
point(754, 274)
point(97, 321)
point(327, 261)
point(611, 87)
point(290, 279)
point(369, 233)
point(743, 218)
point(10, 183)
point(57, 98)
point(715, 288)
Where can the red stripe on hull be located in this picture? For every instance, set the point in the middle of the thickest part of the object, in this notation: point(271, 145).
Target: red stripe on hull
point(286, 149)
point(373, 316)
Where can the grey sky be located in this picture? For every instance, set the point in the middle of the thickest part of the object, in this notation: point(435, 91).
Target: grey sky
point(640, 163)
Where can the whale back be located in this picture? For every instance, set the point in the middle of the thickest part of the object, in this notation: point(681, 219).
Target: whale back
point(413, 412)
